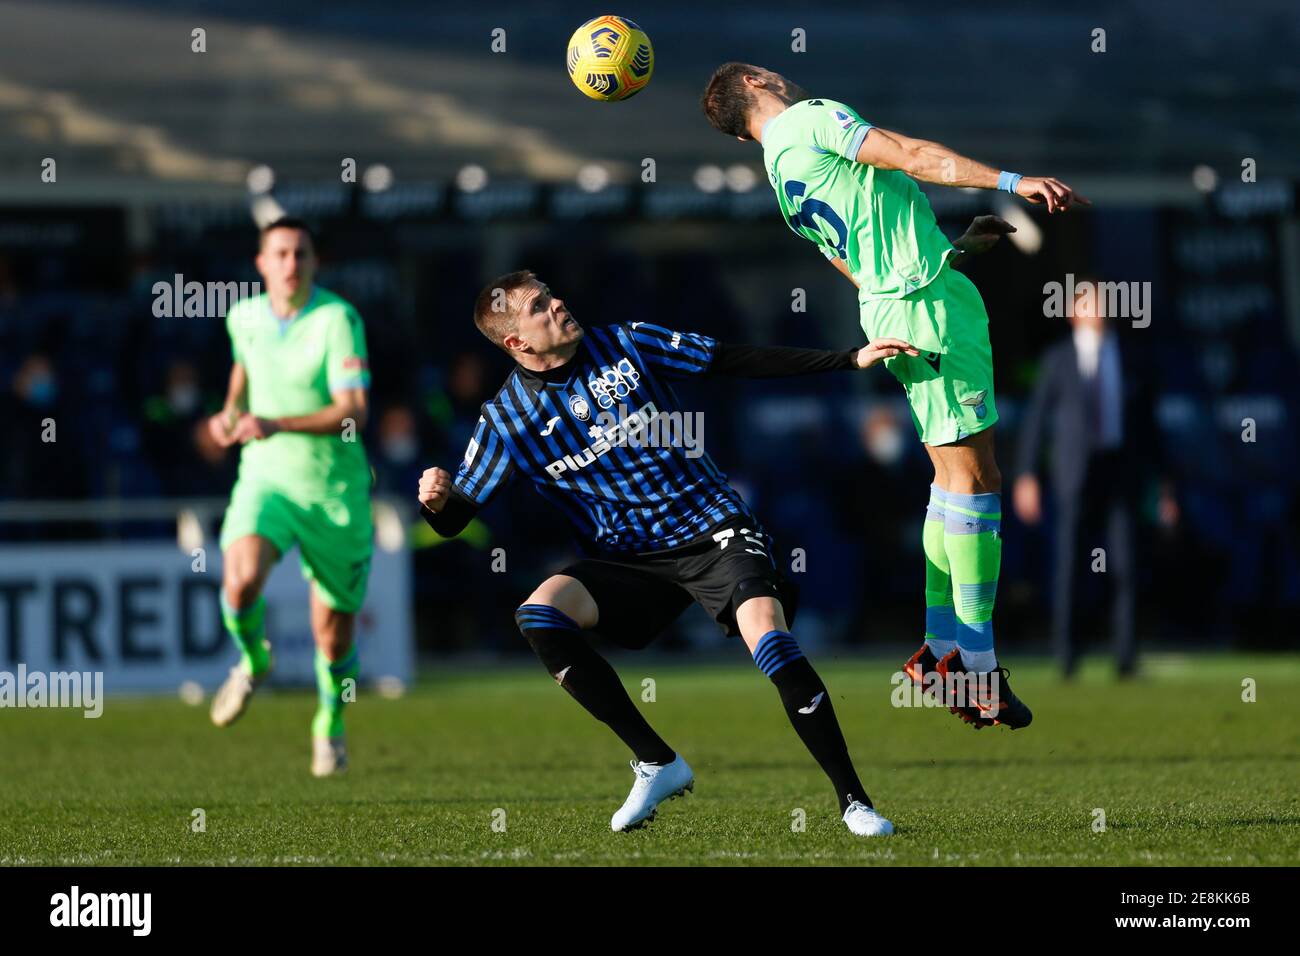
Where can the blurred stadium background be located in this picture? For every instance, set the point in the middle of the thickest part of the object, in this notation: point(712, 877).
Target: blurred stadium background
point(471, 163)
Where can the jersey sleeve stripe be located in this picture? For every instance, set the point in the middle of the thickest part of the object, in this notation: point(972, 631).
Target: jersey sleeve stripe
point(683, 358)
point(487, 469)
point(851, 151)
point(698, 350)
point(657, 337)
point(500, 470)
point(350, 381)
point(685, 351)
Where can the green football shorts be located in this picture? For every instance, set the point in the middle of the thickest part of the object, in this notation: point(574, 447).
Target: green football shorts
point(334, 537)
point(950, 384)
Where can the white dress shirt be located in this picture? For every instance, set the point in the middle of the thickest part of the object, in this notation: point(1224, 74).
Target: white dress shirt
point(1100, 369)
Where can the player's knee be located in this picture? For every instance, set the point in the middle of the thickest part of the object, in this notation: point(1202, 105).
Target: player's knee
point(333, 633)
point(242, 586)
point(759, 606)
point(567, 596)
point(990, 477)
point(551, 634)
point(980, 477)
point(987, 483)
point(987, 477)
point(334, 650)
point(535, 616)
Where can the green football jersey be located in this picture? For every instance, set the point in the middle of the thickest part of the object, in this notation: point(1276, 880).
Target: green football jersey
point(293, 367)
point(877, 220)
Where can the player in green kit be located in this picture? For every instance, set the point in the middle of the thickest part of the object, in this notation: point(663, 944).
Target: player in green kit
point(849, 187)
point(296, 403)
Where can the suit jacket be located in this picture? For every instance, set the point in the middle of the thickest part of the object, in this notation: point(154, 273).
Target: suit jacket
point(1058, 415)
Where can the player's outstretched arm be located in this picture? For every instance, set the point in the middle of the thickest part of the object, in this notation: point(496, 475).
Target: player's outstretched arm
point(933, 162)
point(881, 349)
point(779, 361)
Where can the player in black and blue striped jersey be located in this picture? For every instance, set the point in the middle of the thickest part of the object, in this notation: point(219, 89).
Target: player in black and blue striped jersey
point(589, 417)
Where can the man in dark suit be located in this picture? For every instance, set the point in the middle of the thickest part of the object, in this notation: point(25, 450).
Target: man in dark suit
point(1099, 412)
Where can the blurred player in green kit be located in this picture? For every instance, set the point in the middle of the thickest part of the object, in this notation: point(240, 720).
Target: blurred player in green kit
point(296, 404)
point(850, 188)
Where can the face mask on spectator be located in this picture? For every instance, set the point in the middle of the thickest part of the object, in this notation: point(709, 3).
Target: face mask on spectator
point(42, 390)
point(400, 449)
point(183, 398)
point(885, 445)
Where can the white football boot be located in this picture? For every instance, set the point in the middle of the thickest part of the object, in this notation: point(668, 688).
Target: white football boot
point(864, 821)
point(231, 698)
point(329, 755)
point(653, 785)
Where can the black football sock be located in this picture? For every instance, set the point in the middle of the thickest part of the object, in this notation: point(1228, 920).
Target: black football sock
point(808, 705)
point(589, 679)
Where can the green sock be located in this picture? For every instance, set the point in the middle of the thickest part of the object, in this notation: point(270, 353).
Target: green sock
point(247, 627)
point(330, 676)
point(940, 624)
point(973, 540)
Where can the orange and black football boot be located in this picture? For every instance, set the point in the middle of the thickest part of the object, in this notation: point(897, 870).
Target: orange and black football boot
point(989, 699)
point(920, 666)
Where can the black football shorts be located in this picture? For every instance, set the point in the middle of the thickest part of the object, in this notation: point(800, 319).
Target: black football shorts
point(638, 596)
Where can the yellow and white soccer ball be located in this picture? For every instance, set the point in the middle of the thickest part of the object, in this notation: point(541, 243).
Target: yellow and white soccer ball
point(610, 58)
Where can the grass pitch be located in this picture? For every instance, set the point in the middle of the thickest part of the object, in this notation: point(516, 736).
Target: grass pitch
point(1185, 772)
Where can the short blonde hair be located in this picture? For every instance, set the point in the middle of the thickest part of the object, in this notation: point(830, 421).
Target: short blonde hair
point(491, 314)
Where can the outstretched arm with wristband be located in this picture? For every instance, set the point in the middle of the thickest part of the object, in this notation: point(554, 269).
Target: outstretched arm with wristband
point(935, 163)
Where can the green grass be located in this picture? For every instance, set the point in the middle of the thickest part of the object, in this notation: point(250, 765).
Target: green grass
point(1186, 773)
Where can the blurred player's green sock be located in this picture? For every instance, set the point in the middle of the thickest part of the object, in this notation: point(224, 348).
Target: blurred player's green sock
point(247, 626)
point(973, 540)
point(330, 676)
point(940, 624)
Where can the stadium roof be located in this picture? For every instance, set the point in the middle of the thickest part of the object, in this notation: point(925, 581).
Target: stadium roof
point(114, 92)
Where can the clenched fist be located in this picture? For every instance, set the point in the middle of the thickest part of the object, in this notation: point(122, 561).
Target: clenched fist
point(251, 428)
point(221, 427)
point(435, 486)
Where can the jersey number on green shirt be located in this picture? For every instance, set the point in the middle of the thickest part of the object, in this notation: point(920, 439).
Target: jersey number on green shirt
point(815, 207)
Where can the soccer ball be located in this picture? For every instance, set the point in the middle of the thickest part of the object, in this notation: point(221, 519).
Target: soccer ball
point(610, 58)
